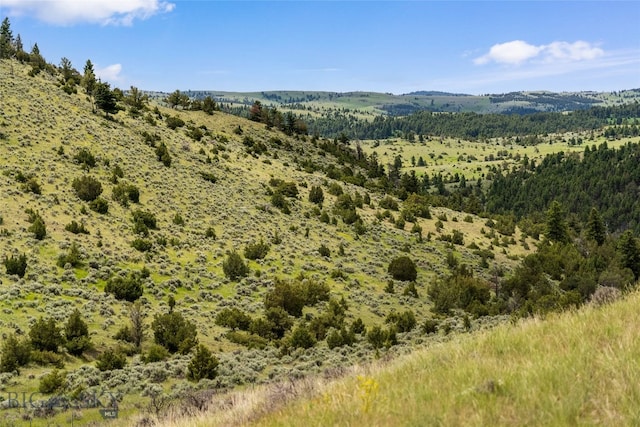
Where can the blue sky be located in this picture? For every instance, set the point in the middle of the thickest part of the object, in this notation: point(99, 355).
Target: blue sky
point(384, 46)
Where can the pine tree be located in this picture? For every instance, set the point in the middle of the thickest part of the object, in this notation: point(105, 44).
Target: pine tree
point(45, 335)
point(105, 99)
point(76, 333)
point(630, 252)
point(6, 40)
point(596, 229)
point(203, 365)
point(557, 230)
point(89, 81)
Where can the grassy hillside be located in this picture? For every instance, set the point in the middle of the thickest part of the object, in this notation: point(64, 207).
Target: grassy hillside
point(574, 368)
point(215, 184)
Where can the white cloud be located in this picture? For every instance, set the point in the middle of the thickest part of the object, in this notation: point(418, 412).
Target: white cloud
point(104, 12)
point(110, 73)
point(513, 52)
point(517, 52)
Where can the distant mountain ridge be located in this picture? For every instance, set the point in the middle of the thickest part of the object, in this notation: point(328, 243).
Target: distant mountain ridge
point(521, 102)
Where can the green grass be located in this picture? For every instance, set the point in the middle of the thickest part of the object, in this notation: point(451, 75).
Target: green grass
point(574, 368)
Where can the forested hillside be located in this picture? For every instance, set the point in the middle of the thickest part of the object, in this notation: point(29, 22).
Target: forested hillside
point(604, 178)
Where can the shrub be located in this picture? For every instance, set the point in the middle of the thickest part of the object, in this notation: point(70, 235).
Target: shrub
point(84, 157)
point(233, 318)
point(279, 201)
point(45, 335)
point(324, 251)
point(147, 218)
point(162, 153)
point(99, 205)
point(156, 353)
point(316, 195)
point(16, 265)
point(72, 257)
point(174, 332)
point(379, 337)
point(32, 186)
point(287, 295)
point(87, 188)
point(256, 250)
point(178, 220)
point(403, 268)
point(234, 267)
point(174, 122)
point(460, 290)
point(388, 203)
point(410, 290)
point(301, 337)
point(125, 193)
point(210, 233)
point(335, 189)
point(404, 321)
point(125, 288)
point(15, 353)
point(110, 360)
point(208, 176)
point(142, 245)
point(52, 382)
point(429, 326)
point(38, 228)
point(76, 228)
point(417, 206)
point(203, 365)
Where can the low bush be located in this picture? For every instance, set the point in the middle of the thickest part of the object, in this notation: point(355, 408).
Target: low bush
point(403, 268)
point(110, 360)
point(257, 250)
point(16, 265)
point(87, 188)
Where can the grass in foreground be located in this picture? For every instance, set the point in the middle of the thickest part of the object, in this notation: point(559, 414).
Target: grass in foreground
point(575, 368)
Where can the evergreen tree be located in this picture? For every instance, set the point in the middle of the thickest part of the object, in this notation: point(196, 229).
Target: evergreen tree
point(89, 78)
point(596, 229)
point(630, 251)
point(557, 230)
point(6, 40)
point(15, 353)
point(76, 333)
point(45, 335)
point(174, 332)
point(105, 99)
point(203, 365)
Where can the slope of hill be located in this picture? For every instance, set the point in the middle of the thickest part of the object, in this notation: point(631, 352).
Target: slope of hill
point(575, 368)
point(215, 197)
